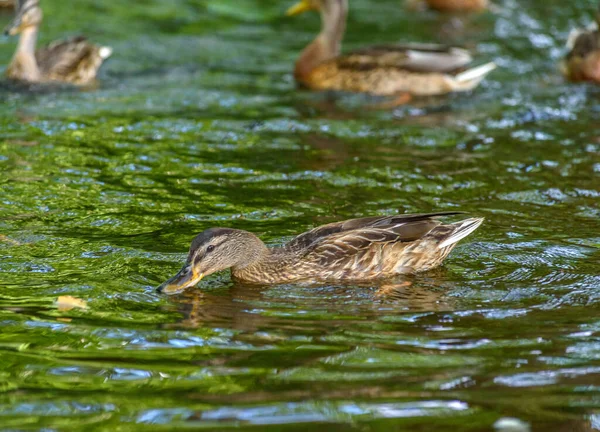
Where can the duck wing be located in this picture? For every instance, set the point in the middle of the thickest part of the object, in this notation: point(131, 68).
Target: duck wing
point(361, 232)
point(75, 60)
point(583, 42)
point(63, 57)
point(386, 247)
point(411, 57)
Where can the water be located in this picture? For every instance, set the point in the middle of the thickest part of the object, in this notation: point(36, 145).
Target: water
point(197, 124)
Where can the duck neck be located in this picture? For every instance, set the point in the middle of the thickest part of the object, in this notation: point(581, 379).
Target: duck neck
point(261, 265)
point(255, 253)
point(25, 54)
point(328, 43)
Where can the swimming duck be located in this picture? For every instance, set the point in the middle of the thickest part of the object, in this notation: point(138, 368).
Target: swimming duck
point(74, 61)
point(356, 249)
point(458, 5)
point(582, 63)
point(408, 69)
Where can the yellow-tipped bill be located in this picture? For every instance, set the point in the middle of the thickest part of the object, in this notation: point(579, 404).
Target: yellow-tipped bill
point(300, 7)
point(186, 278)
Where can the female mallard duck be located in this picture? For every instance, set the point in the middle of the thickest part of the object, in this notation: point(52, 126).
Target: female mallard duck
point(582, 63)
point(356, 249)
point(458, 5)
point(402, 70)
point(74, 61)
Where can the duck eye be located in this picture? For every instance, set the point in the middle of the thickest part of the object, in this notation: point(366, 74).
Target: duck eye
point(210, 248)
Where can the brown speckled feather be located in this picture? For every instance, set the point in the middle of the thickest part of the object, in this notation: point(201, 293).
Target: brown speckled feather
point(75, 60)
point(409, 57)
point(458, 5)
point(390, 73)
point(360, 249)
point(383, 246)
point(407, 69)
point(398, 222)
point(582, 63)
point(585, 43)
point(356, 249)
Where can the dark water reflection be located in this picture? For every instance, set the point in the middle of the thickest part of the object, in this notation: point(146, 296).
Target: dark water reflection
point(197, 123)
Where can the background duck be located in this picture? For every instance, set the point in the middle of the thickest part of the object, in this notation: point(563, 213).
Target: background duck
point(582, 63)
point(356, 249)
point(409, 69)
point(458, 5)
point(74, 61)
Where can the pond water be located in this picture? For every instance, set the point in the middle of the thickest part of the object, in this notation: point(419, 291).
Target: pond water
point(197, 123)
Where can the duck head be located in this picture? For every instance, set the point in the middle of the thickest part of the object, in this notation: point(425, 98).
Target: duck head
point(214, 250)
point(28, 14)
point(327, 7)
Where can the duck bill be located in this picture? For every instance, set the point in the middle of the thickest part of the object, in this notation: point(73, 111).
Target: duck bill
point(12, 29)
point(300, 7)
point(186, 278)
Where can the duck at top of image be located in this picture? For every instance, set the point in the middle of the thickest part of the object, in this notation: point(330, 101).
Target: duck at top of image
point(458, 5)
point(74, 61)
point(354, 250)
point(582, 63)
point(412, 69)
point(7, 4)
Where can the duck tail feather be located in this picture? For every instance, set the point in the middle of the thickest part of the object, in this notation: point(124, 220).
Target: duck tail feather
point(463, 229)
point(105, 52)
point(476, 73)
point(471, 78)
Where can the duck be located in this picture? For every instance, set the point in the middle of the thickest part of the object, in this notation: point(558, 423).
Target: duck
point(582, 63)
point(5, 4)
point(360, 249)
point(75, 61)
point(404, 71)
point(458, 5)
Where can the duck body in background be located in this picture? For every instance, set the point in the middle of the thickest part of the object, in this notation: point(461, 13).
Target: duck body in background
point(458, 5)
point(74, 61)
point(385, 70)
point(582, 63)
point(6, 4)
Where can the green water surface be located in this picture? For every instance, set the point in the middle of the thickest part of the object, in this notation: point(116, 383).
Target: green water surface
point(197, 123)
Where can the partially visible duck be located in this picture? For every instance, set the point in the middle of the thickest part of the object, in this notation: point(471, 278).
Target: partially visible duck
point(582, 63)
point(5, 4)
point(73, 61)
point(458, 5)
point(407, 69)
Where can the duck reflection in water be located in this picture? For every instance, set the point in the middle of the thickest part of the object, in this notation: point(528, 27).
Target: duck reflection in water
point(247, 307)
